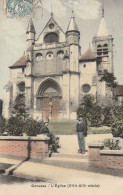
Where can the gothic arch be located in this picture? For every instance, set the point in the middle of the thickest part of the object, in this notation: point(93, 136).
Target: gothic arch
point(49, 97)
point(49, 83)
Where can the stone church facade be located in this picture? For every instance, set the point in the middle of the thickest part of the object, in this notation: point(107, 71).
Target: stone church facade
point(53, 75)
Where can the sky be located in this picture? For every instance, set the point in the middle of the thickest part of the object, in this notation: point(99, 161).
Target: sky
point(87, 15)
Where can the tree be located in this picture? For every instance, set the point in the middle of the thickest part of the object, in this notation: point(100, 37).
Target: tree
point(110, 79)
point(2, 125)
point(117, 124)
point(15, 126)
point(90, 110)
point(1, 107)
point(19, 109)
point(107, 112)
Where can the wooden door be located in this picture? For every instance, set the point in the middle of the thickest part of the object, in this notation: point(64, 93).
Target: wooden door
point(50, 109)
point(45, 108)
point(55, 108)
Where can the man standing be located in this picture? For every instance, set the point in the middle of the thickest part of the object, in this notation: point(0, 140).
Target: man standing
point(81, 129)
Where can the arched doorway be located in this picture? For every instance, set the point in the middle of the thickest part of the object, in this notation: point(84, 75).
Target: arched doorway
point(49, 99)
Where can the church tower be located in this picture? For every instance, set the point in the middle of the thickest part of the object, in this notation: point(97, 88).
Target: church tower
point(72, 38)
point(30, 34)
point(103, 47)
point(72, 76)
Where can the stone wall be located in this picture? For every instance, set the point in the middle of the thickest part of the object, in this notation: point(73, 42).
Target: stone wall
point(105, 158)
point(24, 146)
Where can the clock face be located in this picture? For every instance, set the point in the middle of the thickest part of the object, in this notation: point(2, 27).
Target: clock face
point(51, 26)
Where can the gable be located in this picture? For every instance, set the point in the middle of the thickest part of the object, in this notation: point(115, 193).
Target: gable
point(51, 33)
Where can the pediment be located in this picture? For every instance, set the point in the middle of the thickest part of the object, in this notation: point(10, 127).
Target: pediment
point(51, 27)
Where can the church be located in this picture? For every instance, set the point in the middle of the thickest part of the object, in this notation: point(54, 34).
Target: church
point(52, 76)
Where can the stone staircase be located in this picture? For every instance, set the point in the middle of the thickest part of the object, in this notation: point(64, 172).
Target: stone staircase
point(71, 161)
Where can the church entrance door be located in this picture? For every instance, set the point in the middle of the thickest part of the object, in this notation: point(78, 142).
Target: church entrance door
point(50, 107)
point(49, 95)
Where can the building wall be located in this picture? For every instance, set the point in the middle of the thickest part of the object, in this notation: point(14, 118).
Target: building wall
point(88, 75)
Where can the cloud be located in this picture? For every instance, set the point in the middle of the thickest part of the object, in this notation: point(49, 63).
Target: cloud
point(84, 9)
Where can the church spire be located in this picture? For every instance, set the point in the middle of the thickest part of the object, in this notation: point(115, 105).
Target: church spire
point(102, 27)
point(72, 24)
point(30, 27)
point(103, 10)
point(51, 9)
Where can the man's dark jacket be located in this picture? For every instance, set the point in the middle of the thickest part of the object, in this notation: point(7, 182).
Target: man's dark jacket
point(82, 127)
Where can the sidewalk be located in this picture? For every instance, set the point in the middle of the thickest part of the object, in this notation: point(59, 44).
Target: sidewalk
point(87, 182)
point(69, 143)
point(52, 177)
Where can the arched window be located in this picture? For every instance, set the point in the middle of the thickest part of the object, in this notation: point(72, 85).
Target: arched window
point(86, 88)
point(38, 56)
point(51, 38)
point(20, 99)
point(99, 49)
point(60, 54)
point(21, 86)
point(99, 52)
point(105, 45)
point(99, 46)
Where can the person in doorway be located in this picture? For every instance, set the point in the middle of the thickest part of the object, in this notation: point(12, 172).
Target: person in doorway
point(81, 129)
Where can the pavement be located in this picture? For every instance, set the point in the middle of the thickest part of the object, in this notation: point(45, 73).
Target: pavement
point(64, 179)
point(69, 143)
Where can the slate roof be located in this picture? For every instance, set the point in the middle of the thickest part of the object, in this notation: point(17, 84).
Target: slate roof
point(72, 24)
point(20, 63)
point(88, 55)
point(118, 91)
point(30, 27)
point(102, 29)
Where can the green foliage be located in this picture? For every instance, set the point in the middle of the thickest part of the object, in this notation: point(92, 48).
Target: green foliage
point(2, 125)
point(15, 126)
point(91, 111)
point(1, 107)
point(66, 127)
point(107, 113)
point(32, 127)
point(117, 124)
point(111, 144)
point(20, 122)
point(100, 130)
point(96, 118)
point(19, 108)
point(109, 78)
point(53, 144)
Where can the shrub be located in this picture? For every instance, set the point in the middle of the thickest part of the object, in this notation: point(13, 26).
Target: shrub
point(117, 124)
point(2, 125)
point(107, 113)
point(96, 118)
point(32, 127)
point(91, 111)
point(53, 144)
point(15, 126)
point(111, 144)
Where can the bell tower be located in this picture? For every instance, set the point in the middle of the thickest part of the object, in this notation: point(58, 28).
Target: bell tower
point(103, 47)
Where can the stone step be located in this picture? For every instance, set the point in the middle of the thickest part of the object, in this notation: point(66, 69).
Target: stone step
point(71, 163)
point(77, 156)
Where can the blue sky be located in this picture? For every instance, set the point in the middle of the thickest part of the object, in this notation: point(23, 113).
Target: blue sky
point(87, 14)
